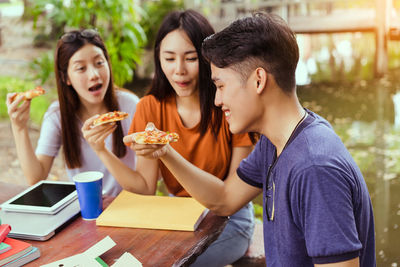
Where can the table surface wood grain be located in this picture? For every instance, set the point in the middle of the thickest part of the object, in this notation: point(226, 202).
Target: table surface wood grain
point(150, 247)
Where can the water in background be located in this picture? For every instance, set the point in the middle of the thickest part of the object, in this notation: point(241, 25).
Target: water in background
point(366, 115)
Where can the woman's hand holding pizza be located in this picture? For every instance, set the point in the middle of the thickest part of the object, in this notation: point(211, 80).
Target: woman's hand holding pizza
point(151, 143)
point(19, 113)
point(95, 136)
point(152, 151)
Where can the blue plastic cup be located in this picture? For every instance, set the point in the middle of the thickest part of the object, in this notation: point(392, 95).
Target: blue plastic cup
point(89, 186)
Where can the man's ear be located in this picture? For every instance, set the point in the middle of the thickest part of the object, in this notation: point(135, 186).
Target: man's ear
point(261, 79)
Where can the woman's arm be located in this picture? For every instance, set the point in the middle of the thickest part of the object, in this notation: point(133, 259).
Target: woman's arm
point(222, 197)
point(34, 168)
point(238, 154)
point(141, 181)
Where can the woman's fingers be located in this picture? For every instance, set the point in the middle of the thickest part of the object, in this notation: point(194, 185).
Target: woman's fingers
point(145, 150)
point(25, 106)
point(100, 136)
point(9, 98)
point(19, 113)
point(87, 125)
point(95, 136)
point(148, 150)
point(88, 130)
point(13, 104)
point(97, 131)
point(160, 152)
point(128, 139)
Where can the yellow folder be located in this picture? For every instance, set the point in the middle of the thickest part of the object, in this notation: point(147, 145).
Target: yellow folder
point(153, 212)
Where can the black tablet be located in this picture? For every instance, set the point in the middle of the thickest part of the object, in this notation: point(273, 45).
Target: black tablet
point(47, 197)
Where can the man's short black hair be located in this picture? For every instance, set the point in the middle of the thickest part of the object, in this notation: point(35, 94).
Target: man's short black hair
point(262, 40)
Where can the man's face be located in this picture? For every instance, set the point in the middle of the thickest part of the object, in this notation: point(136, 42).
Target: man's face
point(237, 98)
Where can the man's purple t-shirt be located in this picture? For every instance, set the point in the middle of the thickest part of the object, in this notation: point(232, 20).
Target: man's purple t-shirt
point(317, 195)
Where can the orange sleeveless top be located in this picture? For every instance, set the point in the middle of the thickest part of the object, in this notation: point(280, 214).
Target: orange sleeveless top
point(204, 151)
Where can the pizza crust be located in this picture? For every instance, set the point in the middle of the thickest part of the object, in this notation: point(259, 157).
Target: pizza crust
point(38, 91)
point(110, 117)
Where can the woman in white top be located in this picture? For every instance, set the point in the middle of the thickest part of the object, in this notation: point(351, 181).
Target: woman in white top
point(85, 88)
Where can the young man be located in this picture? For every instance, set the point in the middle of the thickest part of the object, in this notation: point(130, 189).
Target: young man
point(317, 206)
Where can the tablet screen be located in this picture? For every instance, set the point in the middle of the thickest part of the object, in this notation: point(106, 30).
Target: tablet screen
point(45, 195)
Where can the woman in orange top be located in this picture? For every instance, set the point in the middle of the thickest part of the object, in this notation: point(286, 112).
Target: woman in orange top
point(181, 99)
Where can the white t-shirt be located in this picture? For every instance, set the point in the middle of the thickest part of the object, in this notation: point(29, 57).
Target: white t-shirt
point(50, 141)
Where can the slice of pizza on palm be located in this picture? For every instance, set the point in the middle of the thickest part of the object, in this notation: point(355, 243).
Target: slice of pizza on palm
point(151, 135)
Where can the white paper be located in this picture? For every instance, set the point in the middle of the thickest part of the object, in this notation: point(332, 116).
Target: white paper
point(99, 248)
point(127, 259)
point(87, 258)
point(79, 260)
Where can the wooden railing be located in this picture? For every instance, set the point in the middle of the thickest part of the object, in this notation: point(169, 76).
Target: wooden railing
point(321, 16)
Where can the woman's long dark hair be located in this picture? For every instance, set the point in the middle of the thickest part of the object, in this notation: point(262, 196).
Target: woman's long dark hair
point(70, 103)
point(197, 29)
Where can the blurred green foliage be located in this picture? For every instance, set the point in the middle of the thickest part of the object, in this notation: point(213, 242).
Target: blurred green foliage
point(39, 105)
point(155, 11)
point(125, 26)
point(258, 210)
point(117, 22)
point(42, 67)
point(161, 188)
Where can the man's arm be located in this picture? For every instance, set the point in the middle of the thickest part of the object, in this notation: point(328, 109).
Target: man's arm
point(222, 197)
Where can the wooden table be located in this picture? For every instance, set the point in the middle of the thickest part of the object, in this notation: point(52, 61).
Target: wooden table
point(150, 247)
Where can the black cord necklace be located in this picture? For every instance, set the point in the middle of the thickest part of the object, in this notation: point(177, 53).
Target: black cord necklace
point(270, 216)
point(294, 130)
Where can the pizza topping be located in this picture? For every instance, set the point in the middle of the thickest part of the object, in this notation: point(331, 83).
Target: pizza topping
point(110, 117)
point(154, 136)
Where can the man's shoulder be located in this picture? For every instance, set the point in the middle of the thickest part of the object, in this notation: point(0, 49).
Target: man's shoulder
point(320, 132)
point(319, 121)
point(319, 145)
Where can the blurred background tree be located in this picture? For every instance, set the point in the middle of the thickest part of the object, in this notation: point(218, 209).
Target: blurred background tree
point(127, 28)
point(155, 11)
point(117, 22)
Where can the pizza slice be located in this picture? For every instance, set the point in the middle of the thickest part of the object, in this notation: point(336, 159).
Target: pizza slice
point(30, 93)
point(110, 117)
point(154, 136)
